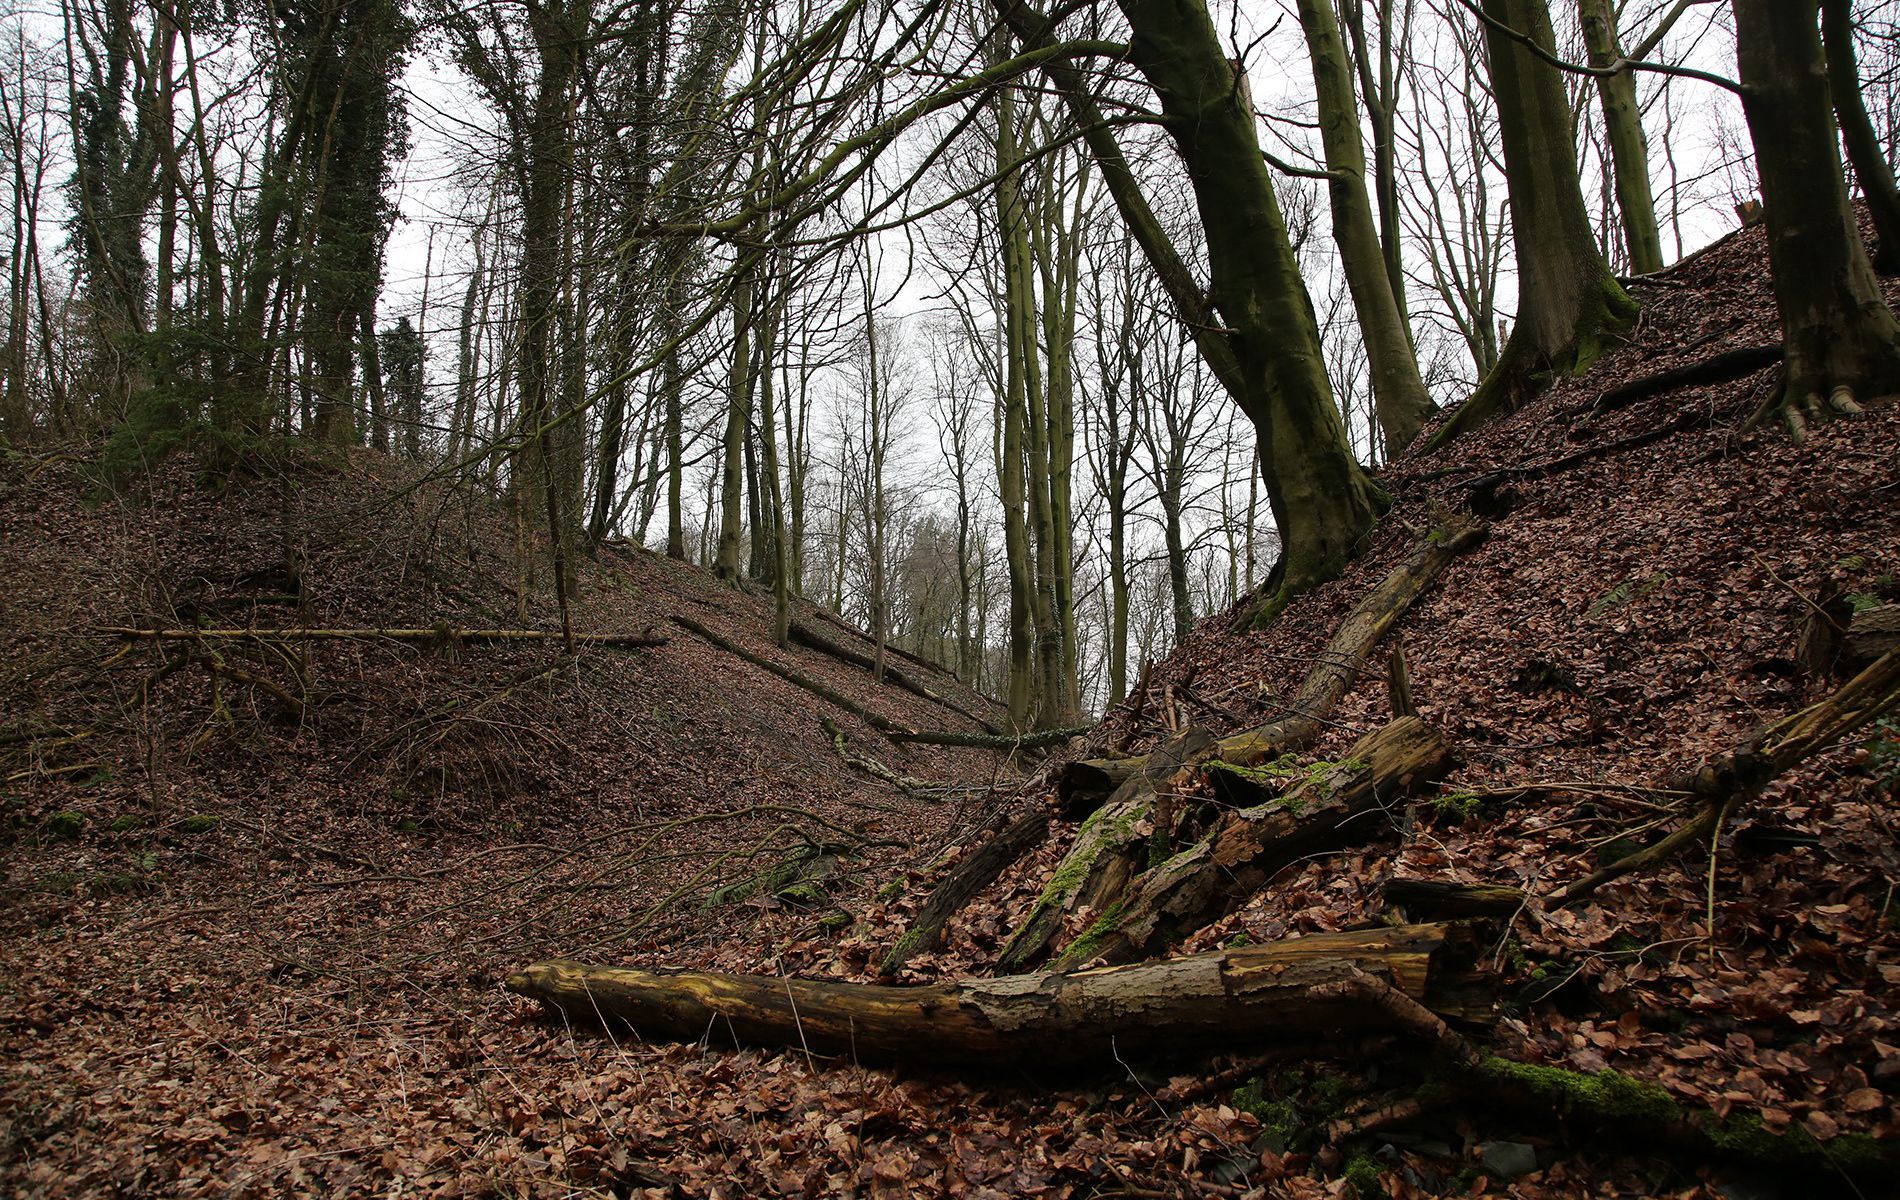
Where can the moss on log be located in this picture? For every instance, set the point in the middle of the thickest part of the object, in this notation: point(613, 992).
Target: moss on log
point(1327, 809)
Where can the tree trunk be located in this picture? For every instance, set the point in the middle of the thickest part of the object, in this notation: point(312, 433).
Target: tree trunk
point(1857, 131)
point(1217, 1001)
point(1569, 304)
point(1322, 501)
point(1323, 812)
point(1398, 393)
point(1840, 337)
point(726, 563)
point(1629, 148)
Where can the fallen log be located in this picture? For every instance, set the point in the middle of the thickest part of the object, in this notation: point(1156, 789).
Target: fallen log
point(441, 633)
point(1441, 898)
point(1723, 783)
point(1226, 999)
point(930, 664)
point(1105, 853)
point(798, 679)
point(1084, 783)
point(806, 635)
point(1038, 739)
point(977, 871)
point(869, 765)
point(1328, 809)
point(1874, 631)
point(1339, 664)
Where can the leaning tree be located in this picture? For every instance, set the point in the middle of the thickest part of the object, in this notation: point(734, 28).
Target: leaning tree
point(1254, 321)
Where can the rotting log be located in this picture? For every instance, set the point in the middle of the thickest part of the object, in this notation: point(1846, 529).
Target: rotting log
point(1105, 852)
point(979, 868)
point(1723, 783)
point(806, 635)
point(441, 633)
point(1039, 739)
point(1332, 807)
point(825, 692)
point(1083, 784)
point(1339, 664)
point(871, 766)
point(1224, 1000)
point(1443, 898)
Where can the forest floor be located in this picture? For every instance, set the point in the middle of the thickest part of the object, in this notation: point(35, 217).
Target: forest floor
point(251, 942)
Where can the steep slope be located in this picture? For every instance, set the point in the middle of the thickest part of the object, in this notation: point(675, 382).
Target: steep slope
point(1638, 606)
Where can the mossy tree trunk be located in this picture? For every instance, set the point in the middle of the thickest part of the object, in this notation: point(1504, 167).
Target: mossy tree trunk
point(1322, 501)
point(1398, 393)
point(1569, 304)
point(1254, 324)
point(1010, 467)
point(1840, 338)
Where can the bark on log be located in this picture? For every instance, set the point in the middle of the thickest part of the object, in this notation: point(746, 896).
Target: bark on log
point(1325, 811)
point(977, 871)
point(1039, 739)
point(824, 692)
point(1440, 898)
point(1103, 858)
point(869, 765)
point(805, 634)
point(1221, 1000)
point(1874, 631)
point(443, 634)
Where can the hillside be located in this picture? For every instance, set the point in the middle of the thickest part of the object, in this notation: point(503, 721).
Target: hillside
point(258, 909)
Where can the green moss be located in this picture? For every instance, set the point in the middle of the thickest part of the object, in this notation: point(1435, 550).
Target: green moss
point(1458, 806)
point(834, 920)
point(126, 823)
point(1363, 1177)
point(891, 890)
point(65, 825)
point(1237, 941)
point(198, 823)
point(1089, 944)
point(1603, 1095)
